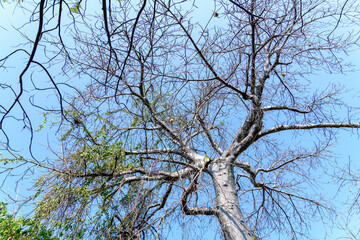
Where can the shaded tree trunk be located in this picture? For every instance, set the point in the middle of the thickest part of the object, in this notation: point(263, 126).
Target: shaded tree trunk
point(229, 215)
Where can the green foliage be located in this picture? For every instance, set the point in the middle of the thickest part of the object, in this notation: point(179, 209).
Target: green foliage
point(22, 228)
point(103, 158)
point(87, 190)
point(9, 160)
point(76, 7)
point(88, 161)
point(41, 126)
point(12, 1)
point(84, 196)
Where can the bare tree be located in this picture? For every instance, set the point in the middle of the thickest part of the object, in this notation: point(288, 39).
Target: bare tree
point(166, 113)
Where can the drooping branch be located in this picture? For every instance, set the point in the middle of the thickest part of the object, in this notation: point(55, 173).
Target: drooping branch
point(192, 188)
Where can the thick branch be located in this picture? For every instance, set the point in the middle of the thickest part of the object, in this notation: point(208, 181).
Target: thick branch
point(306, 126)
point(154, 151)
point(283, 107)
point(191, 188)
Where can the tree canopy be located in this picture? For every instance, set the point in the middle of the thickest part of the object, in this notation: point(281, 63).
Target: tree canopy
point(21, 228)
point(179, 111)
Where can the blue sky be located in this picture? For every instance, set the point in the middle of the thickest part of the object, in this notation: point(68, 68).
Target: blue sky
point(347, 147)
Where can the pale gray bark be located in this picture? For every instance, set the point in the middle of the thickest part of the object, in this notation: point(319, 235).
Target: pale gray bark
point(229, 214)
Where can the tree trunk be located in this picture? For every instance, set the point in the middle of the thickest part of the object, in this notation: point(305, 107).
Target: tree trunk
point(231, 220)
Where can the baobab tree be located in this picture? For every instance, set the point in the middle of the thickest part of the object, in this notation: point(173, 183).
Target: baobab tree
point(164, 113)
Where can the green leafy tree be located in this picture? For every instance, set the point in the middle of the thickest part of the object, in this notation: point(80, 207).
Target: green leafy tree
point(12, 227)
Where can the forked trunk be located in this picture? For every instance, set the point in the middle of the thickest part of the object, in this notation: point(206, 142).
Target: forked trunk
point(229, 214)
